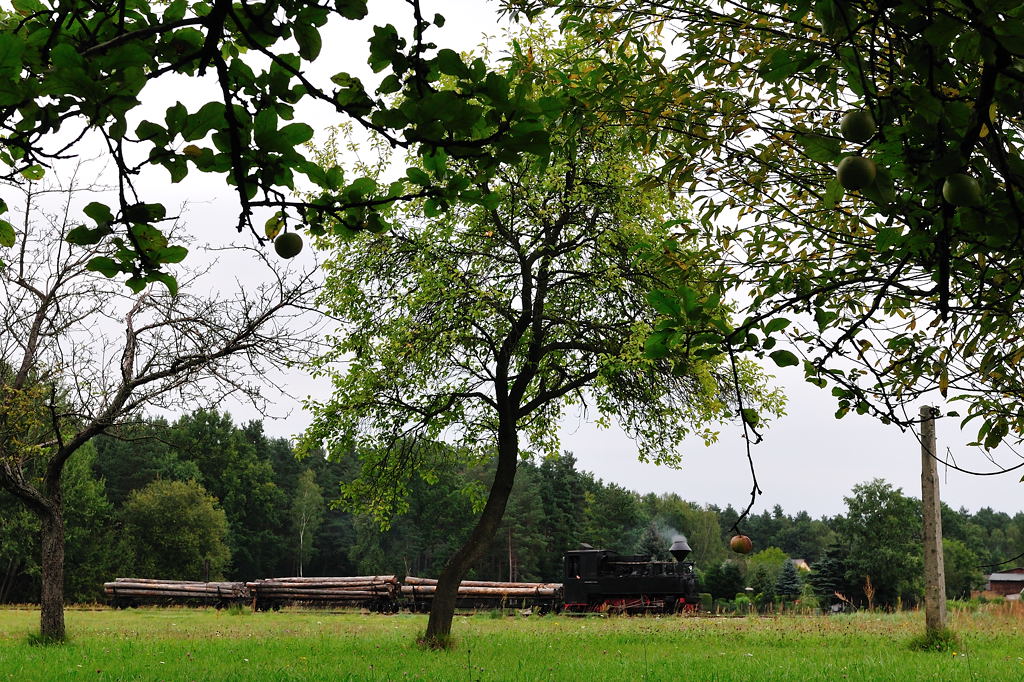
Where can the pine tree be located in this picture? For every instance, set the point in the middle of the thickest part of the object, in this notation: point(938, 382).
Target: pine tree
point(789, 583)
point(828, 574)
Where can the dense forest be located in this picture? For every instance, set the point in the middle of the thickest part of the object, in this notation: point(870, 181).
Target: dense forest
point(205, 497)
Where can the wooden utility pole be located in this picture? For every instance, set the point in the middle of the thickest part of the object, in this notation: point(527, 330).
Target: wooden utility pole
point(934, 572)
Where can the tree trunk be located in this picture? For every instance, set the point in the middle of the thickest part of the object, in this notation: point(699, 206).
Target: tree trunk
point(934, 571)
point(442, 609)
point(51, 614)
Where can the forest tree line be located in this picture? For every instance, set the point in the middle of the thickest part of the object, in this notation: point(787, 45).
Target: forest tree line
point(203, 497)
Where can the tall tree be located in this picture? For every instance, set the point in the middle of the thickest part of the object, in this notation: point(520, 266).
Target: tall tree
point(882, 535)
point(480, 326)
point(242, 479)
point(562, 495)
point(80, 355)
point(613, 517)
point(175, 530)
point(137, 454)
point(306, 513)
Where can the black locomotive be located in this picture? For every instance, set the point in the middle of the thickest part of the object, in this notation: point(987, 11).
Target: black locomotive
point(603, 580)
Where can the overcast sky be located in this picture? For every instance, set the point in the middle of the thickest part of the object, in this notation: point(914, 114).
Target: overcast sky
point(807, 461)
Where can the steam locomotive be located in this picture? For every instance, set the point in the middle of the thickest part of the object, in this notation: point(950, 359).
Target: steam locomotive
point(600, 580)
point(594, 580)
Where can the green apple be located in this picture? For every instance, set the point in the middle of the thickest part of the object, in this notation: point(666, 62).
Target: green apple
point(961, 190)
point(288, 245)
point(856, 172)
point(858, 126)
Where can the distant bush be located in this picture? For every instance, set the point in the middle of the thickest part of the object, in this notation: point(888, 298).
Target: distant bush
point(743, 604)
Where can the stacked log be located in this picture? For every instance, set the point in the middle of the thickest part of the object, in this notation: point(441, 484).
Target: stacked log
point(141, 589)
point(331, 590)
point(482, 589)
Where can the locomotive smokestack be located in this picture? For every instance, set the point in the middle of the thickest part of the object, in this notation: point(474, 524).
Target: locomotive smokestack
point(679, 549)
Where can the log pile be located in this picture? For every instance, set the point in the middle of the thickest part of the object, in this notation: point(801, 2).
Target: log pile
point(339, 590)
point(482, 589)
point(146, 589)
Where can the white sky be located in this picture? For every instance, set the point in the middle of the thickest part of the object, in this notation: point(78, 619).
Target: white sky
point(808, 460)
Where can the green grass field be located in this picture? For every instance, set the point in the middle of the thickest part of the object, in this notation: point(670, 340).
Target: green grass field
point(203, 644)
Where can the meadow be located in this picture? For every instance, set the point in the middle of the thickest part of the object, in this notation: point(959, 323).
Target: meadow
point(205, 644)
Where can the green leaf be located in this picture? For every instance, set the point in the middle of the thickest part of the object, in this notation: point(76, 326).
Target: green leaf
point(688, 297)
point(385, 48)
point(26, 7)
point(209, 117)
point(417, 176)
point(351, 9)
point(656, 345)
point(7, 237)
point(86, 236)
point(147, 130)
point(35, 172)
point(887, 237)
point(295, 134)
point(175, 10)
point(172, 254)
point(942, 31)
point(11, 49)
point(776, 325)
point(449, 62)
point(99, 212)
point(820, 148)
point(833, 192)
point(308, 38)
point(435, 161)
point(664, 303)
point(784, 358)
point(431, 208)
point(108, 267)
point(176, 117)
point(881, 191)
point(136, 284)
point(168, 281)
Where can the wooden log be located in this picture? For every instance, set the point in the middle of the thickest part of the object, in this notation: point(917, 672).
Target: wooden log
point(178, 594)
point(336, 579)
point(157, 581)
point(381, 589)
point(324, 585)
point(170, 588)
point(326, 594)
point(497, 593)
point(172, 593)
point(123, 588)
point(192, 586)
point(413, 580)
